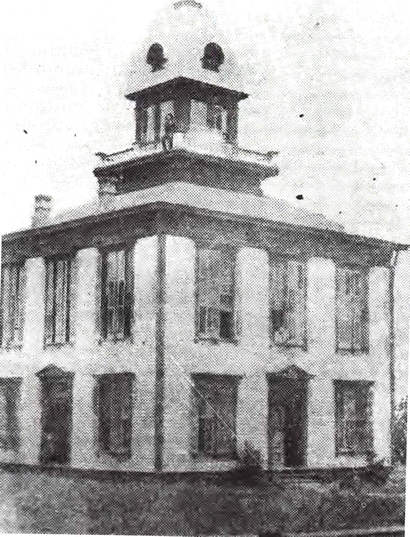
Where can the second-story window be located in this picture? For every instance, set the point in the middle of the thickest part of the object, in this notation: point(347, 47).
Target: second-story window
point(12, 304)
point(288, 302)
point(58, 284)
point(351, 309)
point(116, 295)
point(215, 294)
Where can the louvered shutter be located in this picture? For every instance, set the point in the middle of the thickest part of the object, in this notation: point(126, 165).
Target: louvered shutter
point(296, 298)
point(194, 430)
point(339, 417)
point(5, 308)
point(13, 390)
point(50, 306)
point(104, 409)
point(120, 294)
point(208, 292)
point(344, 308)
point(61, 299)
point(225, 419)
point(22, 302)
point(3, 414)
point(359, 311)
point(110, 292)
point(227, 295)
point(129, 292)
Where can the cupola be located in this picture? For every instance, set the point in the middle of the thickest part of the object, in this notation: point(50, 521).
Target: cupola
point(187, 69)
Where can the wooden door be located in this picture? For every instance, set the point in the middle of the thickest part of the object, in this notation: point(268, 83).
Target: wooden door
point(276, 436)
point(56, 420)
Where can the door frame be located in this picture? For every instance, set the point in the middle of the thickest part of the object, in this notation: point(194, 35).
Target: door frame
point(47, 376)
point(296, 379)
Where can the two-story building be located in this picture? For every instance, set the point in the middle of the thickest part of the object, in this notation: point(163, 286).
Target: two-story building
point(183, 313)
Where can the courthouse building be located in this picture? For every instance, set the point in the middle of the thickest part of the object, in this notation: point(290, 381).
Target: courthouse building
point(183, 312)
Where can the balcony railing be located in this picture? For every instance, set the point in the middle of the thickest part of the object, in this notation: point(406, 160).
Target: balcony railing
point(202, 141)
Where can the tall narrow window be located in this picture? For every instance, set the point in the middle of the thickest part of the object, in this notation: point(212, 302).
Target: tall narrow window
point(351, 309)
point(9, 394)
point(216, 301)
point(147, 121)
point(12, 304)
point(199, 113)
point(288, 302)
point(215, 402)
point(116, 295)
point(58, 283)
point(115, 413)
point(353, 417)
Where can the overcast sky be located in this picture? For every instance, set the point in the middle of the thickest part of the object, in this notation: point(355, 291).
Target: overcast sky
point(343, 65)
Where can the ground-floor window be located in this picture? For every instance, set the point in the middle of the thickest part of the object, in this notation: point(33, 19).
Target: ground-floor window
point(354, 422)
point(9, 430)
point(115, 414)
point(214, 420)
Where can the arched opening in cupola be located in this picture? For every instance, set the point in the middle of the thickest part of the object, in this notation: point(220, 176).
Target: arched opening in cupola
point(155, 57)
point(213, 57)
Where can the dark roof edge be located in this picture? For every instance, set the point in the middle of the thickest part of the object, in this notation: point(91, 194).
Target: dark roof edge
point(174, 81)
point(270, 170)
point(160, 205)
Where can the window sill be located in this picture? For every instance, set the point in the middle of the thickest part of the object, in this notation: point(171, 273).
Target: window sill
point(215, 340)
point(302, 346)
point(12, 347)
point(200, 457)
point(352, 352)
point(58, 345)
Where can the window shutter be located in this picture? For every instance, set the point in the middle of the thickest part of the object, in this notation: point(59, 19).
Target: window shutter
point(296, 298)
point(195, 404)
point(104, 296)
point(13, 389)
point(72, 299)
point(3, 415)
point(22, 302)
point(129, 292)
point(104, 408)
point(50, 306)
point(208, 292)
point(225, 418)
point(338, 418)
point(343, 309)
point(5, 305)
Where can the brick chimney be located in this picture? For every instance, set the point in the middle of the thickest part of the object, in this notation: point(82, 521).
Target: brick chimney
point(42, 210)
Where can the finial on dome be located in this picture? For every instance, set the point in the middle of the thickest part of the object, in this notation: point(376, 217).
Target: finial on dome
point(190, 3)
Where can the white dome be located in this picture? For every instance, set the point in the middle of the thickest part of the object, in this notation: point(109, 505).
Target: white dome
point(183, 30)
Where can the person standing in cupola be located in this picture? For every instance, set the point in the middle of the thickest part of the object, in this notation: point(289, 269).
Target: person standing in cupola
point(169, 130)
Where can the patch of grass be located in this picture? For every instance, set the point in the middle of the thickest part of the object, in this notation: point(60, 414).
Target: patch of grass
point(58, 504)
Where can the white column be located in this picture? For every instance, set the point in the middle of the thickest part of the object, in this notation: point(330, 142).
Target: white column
point(34, 309)
point(321, 342)
point(179, 338)
point(252, 290)
point(144, 335)
point(321, 300)
point(86, 299)
point(83, 440)
point(145, 291)
point(379, 362)
point(30, 419)
point(253, 296)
